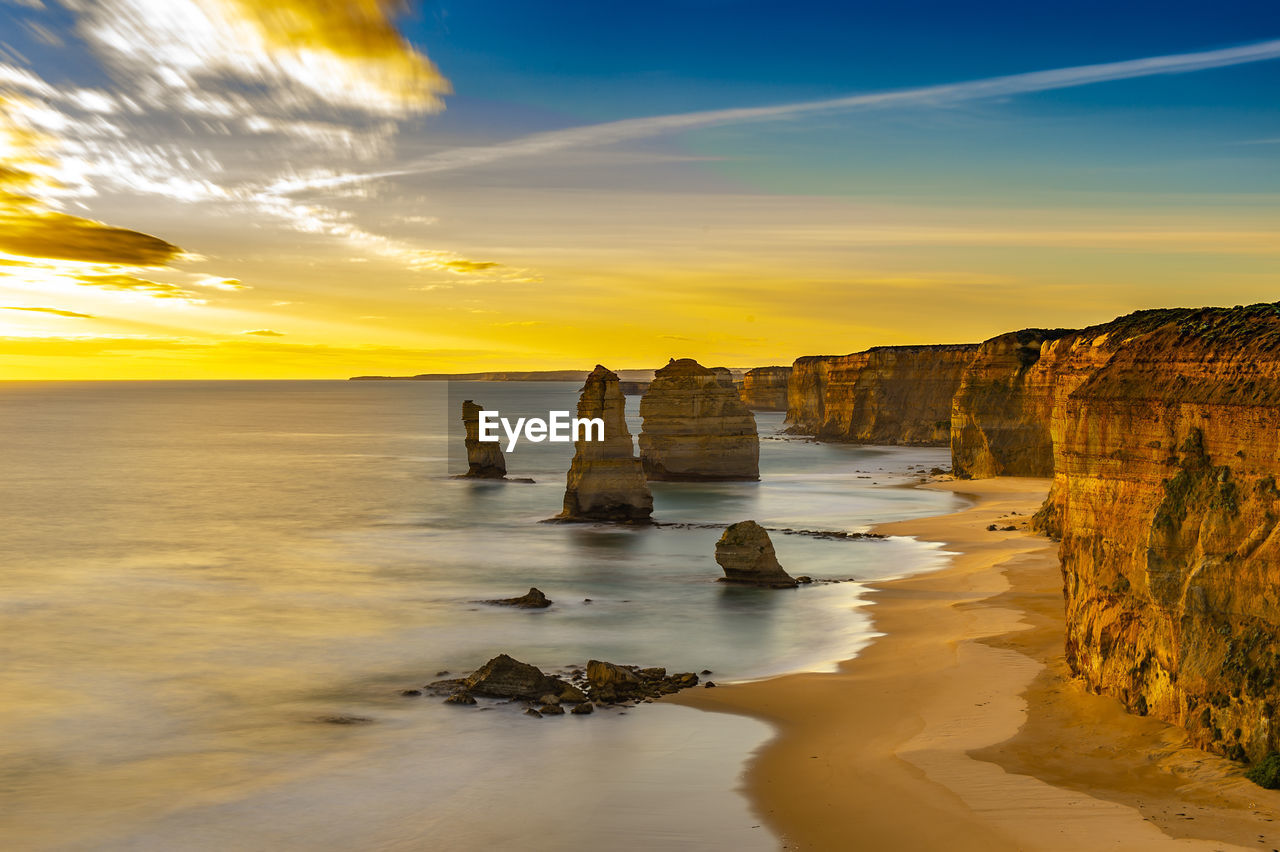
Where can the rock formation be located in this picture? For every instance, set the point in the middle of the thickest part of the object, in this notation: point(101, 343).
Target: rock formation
point(765, 388)
point(746, 555)
point(606, 481)
point(484, 458)
point(533, 599)
point(506, 677)
point(885, 395)
point(1166, 457)
point(696, 427)
point(1000, 414)
point(610, 683)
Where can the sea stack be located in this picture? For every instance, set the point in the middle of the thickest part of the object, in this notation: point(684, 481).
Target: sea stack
point(696, 427)
point(746, 555)
point(606, 481)
point(484, 458)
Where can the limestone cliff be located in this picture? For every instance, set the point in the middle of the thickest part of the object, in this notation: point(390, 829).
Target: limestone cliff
point(885, 395)
point(765, 388)
point(696, 427)
point(1166, 455)
point(606, 481)
point(484, 458)
point(1000, 413)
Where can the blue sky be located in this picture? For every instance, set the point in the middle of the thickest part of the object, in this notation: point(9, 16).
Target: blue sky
point(502, 184)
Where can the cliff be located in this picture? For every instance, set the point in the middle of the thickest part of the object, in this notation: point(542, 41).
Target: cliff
point(506, 376)
point(765, 388)
point(606, 481)
point(696, 427)
point(1166, 447)
point(1000, 413)
point(885, 395)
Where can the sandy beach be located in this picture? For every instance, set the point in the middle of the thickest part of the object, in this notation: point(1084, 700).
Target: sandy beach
point(960, 727)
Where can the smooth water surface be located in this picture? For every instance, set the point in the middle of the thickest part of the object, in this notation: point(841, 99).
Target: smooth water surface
point(193, 573)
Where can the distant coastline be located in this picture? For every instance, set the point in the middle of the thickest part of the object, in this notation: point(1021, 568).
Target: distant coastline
point(508, 376)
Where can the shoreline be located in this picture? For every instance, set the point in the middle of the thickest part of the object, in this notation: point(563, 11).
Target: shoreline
point(959, 726)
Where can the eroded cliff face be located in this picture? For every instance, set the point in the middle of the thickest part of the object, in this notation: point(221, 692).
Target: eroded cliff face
point(696, 427)
point(886, 395)
point(1000, 413)
point(765, 388)
point(1166, 456)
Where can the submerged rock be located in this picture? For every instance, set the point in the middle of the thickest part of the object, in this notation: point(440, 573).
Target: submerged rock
point(345, 720)
point(534, 599)
point(696, 427)
point(484, 458)
point(606, 481)
point(746, 554)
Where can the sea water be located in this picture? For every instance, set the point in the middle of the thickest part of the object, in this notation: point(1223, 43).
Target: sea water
point(198, 578)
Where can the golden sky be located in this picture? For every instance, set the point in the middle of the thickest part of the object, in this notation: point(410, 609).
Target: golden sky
point(248, 189)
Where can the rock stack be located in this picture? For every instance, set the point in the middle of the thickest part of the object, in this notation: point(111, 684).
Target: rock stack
point(746, 555)
point(606, 481)
point(484, 458)
point(696, 427)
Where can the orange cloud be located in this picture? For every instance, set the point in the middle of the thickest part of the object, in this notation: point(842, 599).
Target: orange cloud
point(54, 311)
point(465, 266)
point(29, 228)
point(59, 236)
point(125, 281)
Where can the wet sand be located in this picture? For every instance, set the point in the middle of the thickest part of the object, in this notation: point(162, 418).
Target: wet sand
point(960, 727)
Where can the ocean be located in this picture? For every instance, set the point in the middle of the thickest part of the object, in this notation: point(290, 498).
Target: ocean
point(197, 578)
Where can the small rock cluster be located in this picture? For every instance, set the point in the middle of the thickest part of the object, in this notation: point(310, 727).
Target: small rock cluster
point(599, 684)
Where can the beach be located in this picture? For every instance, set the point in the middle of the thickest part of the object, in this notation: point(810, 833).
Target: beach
point(960, 728)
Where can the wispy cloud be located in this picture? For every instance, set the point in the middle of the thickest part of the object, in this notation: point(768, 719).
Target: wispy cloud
point(264, 332)
point(55, 311)
point(612, 132)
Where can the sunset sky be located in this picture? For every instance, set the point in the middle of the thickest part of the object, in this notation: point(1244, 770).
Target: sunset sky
point(319, 189)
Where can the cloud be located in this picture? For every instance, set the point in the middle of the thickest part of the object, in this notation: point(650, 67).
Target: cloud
point(61, 236)
point(29, 228)
point(466, 266)
point(299, 53)
point(214, 282)
point(264, 332)
point(54, 311)
point(943, 95)
point(132, 283)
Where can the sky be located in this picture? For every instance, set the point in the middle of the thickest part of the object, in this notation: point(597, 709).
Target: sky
point(197, 189)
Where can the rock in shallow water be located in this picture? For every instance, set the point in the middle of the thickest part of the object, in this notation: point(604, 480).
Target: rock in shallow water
point(612, 683)
point(506, 677)
point(534, 599)
point(746, 554)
